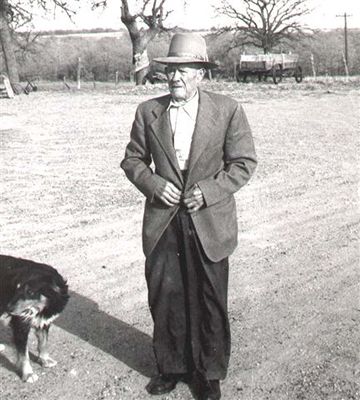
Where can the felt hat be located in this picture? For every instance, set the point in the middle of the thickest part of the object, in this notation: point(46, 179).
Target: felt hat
point(187, 48)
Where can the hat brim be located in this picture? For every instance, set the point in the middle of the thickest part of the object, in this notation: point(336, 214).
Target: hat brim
point(184, 60)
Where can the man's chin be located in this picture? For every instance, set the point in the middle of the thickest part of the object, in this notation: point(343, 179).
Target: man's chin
point(178, 94)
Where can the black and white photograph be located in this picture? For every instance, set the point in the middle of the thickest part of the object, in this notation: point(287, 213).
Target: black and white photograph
point(180, 200)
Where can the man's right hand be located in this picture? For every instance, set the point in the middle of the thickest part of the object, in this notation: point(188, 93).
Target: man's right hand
point(169, 195)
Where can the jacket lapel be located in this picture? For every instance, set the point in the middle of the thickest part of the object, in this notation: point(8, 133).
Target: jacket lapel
point(161, 128)
point(204, 128)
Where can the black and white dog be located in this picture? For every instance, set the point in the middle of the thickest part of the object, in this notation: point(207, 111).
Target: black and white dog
point(32, 295)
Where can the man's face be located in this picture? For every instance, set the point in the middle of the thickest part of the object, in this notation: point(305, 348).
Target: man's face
point(183, 80)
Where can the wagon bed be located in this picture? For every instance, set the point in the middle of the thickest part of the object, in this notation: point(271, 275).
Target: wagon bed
point(263, 65)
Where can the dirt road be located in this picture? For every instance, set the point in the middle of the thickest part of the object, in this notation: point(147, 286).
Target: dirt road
point(294, 283)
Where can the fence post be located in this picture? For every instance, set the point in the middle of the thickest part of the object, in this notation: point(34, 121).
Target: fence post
point(79, 74)
point(116, 78)
point(313, 65)
point(65, 83)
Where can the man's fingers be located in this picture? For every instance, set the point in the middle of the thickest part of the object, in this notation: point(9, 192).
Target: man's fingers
point(172, 191)
point(194, 199)
point(194, 208)
point(190, 200)
point(167, 202)
point(171, 195)
point(173, 188)
point(194, 204)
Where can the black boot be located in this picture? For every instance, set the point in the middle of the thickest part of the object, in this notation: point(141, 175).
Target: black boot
point(162, 383)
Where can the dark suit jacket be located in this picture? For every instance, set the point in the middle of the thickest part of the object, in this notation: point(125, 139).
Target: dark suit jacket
point(222, 159)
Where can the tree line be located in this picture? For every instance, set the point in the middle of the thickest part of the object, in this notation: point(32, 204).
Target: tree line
point(103, 58)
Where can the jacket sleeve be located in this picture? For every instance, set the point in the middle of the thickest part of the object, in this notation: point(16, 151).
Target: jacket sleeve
point(239, 161)
point(137, 160)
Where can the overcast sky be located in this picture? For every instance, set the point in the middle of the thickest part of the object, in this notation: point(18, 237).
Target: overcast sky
point(199, 14)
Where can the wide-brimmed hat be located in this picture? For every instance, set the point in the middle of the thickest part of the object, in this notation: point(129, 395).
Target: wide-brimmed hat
point(187, 48)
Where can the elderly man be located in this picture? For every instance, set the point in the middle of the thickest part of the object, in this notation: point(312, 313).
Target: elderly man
point(189, 152)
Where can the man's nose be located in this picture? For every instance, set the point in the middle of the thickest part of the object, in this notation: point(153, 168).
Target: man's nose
point(176, 75)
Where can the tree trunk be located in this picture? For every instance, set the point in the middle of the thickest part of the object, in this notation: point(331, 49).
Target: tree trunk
point(8, 48)
point(140, 39)
point(140, 76)
point(140, 57)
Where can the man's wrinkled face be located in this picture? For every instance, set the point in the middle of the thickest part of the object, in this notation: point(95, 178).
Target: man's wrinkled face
point(183, 80)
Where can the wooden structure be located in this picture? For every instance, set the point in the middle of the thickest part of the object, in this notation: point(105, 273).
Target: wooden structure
point(5, 87)
point(263, 65)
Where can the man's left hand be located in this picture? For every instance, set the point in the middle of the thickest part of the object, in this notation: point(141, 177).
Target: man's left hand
point(194, 199)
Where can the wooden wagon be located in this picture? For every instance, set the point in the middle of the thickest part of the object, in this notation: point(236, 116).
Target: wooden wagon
point(276, 66)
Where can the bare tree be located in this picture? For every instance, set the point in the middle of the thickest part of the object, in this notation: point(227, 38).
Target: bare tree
point(264, 23)
point(7, 43)
point(143, 26)
point(16, 13)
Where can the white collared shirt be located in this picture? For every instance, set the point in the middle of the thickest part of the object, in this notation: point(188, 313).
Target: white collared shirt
point(183, 119)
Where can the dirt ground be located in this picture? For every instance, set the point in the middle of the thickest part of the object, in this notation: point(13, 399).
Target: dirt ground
point(294, 283)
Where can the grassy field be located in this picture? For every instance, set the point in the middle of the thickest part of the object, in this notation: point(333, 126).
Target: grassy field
point(294, 285)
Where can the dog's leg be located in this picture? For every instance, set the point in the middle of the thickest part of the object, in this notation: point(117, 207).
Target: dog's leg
point(21, 330)
point(42, 336)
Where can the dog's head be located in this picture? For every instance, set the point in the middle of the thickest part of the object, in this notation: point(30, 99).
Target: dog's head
point(41, 295)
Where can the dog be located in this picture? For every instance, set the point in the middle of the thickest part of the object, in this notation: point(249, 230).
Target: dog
point(32, 295)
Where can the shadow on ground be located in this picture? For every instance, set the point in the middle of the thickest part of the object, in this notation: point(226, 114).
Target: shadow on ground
point(83, 318)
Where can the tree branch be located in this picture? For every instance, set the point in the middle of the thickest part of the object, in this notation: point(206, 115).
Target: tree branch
point(265, 22)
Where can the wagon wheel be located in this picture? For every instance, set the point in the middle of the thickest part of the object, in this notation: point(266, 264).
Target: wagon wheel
point(276, 72)
point(298, 74)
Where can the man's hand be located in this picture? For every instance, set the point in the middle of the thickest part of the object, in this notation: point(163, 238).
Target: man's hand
point(193, 199)
point(169, 195)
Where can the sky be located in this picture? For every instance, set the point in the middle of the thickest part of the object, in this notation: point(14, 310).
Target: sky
point(198, 14)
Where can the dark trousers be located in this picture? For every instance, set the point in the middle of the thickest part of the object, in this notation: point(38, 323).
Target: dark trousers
point(188, 303)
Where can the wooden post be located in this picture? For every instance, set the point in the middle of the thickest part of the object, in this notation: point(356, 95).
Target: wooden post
point(346, 66)
point(79, 74)
point(66, 85)
point(313, 65)
point(116, 78)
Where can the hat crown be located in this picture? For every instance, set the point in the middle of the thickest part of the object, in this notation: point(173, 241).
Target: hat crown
point(187, 48)
point(188, 45)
